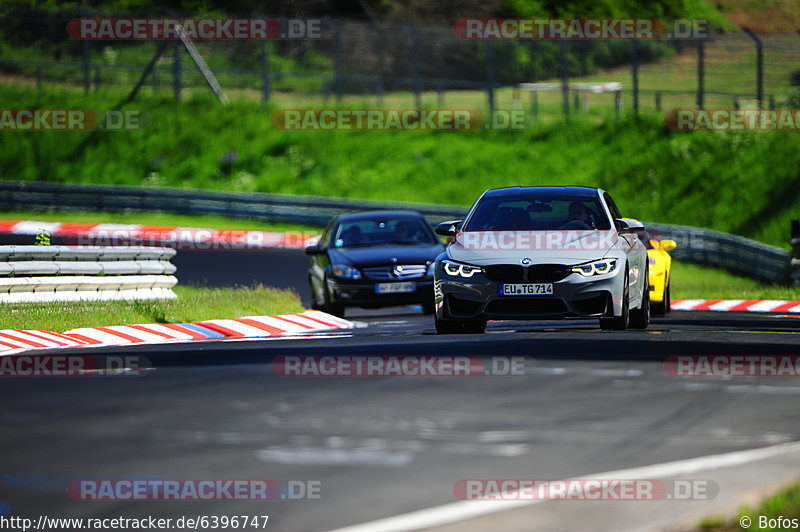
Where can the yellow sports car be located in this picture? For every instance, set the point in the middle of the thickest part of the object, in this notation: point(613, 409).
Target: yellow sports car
point(659, 271)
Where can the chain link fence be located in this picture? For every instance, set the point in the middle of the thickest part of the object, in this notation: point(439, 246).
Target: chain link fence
point(399, 65)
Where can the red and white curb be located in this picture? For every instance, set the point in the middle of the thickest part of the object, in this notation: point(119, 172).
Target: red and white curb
point(17, 340)
point(737, 305)
point(109, 234)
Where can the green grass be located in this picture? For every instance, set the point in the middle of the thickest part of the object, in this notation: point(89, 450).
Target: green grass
point(193, 304)
point(785, 503)
point(155, 218)
point(690, 281)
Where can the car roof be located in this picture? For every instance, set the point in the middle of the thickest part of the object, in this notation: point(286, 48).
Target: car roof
point(377, 215)
point(515, 191)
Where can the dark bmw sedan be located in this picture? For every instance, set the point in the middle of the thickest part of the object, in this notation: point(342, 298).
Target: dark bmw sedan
point(374, 259)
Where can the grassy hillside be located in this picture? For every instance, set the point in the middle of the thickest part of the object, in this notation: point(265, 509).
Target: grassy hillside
point(745, 183)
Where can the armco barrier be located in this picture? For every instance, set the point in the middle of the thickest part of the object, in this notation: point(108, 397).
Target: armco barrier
point(37, 274)
point(697, 245)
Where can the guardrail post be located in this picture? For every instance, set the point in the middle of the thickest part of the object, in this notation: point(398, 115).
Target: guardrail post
point(795, 260)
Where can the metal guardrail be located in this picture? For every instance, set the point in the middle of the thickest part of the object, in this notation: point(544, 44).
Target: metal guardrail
point(734, 253)
point(37, 274)
point(307, 210)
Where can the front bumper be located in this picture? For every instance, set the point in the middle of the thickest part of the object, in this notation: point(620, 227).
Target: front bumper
point(573, 297)
point(363, 294)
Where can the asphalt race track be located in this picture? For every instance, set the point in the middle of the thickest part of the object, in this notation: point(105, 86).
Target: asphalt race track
point(589, 401)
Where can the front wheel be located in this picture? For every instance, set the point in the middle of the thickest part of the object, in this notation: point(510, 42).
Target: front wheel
point(640, 317)
point(330, 306)
point(619, 323)
point(662, 308)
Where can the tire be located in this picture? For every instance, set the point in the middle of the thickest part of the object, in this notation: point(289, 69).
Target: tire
point(315, 304)
point(662, 308)
point(640, 317)
point(619, 323)
point(331, 307)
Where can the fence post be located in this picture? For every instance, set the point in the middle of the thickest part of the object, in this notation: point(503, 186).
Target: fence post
point(564, 78)
point(337, 60)
point(759, 66)
point(265, 88)
point(795, 260)
point(87, 76)
point(658, 101)
point(490, 74)
point(736, 104)
point(701, 67)
point(635, 73)
point(176, 70)
point(618, 102)
point(415, 65)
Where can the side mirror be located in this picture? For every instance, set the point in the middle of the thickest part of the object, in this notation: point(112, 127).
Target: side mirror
point(629, 225)
point(448, 228)
point(668, 245)
point(314, 250)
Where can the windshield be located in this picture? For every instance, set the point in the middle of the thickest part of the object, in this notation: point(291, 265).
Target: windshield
point(539, 212)
point(402, 231)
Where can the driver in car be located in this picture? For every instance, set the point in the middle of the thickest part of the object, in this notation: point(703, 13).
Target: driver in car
point(578, 212)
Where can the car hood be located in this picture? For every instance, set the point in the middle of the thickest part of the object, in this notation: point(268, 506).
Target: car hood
point(387, 254)
point(542, 247)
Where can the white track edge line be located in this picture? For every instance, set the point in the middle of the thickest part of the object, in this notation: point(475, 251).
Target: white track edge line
point(462, 510)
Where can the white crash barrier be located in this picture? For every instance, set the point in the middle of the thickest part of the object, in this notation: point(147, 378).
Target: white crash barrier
point(38, 274)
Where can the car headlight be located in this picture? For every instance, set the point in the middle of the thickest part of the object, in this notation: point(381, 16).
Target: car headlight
point(346, 272)
point(456, 269)
point(597, 267)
